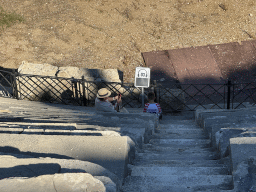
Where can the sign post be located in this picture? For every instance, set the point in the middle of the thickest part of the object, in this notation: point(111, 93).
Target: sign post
point(142, 79)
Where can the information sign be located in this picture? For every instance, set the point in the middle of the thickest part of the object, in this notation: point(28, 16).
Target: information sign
point(142, 77)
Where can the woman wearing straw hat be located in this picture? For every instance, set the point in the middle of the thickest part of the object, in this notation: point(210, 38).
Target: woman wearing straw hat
point(103, 101)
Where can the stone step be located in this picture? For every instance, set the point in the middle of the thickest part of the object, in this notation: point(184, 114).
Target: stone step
point(181, 142)
point(176, 156)
point(58, 132)
point(179, 183)
point(179, 136)
point(182, 131)
point(180, 163)
point(158, 188)
point(184, 171)
point(170, 149)
point(171, 122)
point(31, 125)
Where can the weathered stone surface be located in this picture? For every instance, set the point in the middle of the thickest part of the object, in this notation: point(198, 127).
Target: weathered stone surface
point(75, 72)
point(241, 148)
point(109, 75)
point(245, 175)
point(202, 114)
point(27, 166)
point(37, 69)
point(223, 120)
point(222, 139)
point(77, 182)
point(14, 167)
point(108, 183)
point(173, 99)
point(73, 182)
point(110, 152)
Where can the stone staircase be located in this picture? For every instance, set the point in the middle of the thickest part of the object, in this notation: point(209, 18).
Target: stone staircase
point(44, 144)
point(178, 158)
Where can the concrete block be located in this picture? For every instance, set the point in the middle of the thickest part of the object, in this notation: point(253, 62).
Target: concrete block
point(140, 133)
point(16, 165)
point(73, 182)
point(215, 123)
point(136, 134)
point(241, 148)
point(110, 152)
point(95, 133)
point(202, 114)
point(57, 132)
point(133, 117)
point(108, 183)
point(244, 177)
point(222, 139)
point(11, 130)
point(33, 131)
point(31, 167)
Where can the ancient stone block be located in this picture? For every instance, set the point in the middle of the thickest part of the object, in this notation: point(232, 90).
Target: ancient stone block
point(37, 69)
point(241, 148)
point(222, 139)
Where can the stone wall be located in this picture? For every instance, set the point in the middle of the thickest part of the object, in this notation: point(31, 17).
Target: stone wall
point(57, 89)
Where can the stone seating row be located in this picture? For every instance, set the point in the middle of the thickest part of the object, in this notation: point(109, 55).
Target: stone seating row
point(42, 131)
point(233, 134)
point(28, 173)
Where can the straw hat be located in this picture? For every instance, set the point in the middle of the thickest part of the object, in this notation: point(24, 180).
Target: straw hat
point(102, 93)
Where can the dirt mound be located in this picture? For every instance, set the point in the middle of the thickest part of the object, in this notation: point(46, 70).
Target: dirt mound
point(113, 33)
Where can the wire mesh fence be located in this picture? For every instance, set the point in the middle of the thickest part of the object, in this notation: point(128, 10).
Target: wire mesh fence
point(175, 97)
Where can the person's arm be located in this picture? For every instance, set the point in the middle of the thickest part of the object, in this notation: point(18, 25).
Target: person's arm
point(159, 108)
point(119, 103)
point(145, 108)
point(110, 99)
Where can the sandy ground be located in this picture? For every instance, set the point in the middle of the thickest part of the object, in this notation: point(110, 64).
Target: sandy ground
point(113, 33)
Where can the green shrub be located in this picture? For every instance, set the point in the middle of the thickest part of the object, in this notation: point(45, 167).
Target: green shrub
point(9, 19)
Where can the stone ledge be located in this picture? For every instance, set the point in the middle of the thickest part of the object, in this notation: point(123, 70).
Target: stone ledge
point(233, 133)
point(113, 153)
point(73, 182)
point(241, 148)
point(245, 175)
point(44, 166)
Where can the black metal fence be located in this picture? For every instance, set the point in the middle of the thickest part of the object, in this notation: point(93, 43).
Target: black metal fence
point(175, 97)
point(228, 95)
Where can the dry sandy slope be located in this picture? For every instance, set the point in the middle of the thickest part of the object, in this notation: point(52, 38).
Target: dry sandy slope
point(113, 33)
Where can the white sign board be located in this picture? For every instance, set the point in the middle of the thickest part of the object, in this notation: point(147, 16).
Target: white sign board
point(142, 77)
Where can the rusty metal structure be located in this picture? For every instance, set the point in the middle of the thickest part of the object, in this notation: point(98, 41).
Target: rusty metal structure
point(211, 64)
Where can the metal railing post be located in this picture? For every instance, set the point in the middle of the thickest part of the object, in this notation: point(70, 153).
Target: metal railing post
point(228, 99)
point(14, 84)
point(83, 86)
point(156, 91)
